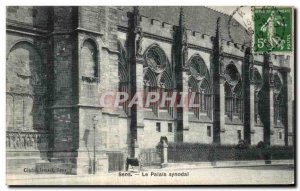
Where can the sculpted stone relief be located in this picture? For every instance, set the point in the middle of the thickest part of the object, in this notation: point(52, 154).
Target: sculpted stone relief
point(24, 140)
point(25, 96)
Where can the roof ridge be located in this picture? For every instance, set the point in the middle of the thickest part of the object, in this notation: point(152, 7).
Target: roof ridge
point(217, 11)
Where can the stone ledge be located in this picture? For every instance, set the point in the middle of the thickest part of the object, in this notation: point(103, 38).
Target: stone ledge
point(227, 164)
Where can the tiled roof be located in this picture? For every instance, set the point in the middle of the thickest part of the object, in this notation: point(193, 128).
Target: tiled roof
point(162, 115)
point(200, 19)
point(203, 119)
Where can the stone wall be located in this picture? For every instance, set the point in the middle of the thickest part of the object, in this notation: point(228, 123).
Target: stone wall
point(152, 136)
point(29, 15)
point(60, 60)
point(229, 135)
point(198, 133)
point(26, 89)
point(257, 135)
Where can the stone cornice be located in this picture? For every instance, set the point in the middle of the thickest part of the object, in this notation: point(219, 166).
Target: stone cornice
point(79, 29)
point(233, 56)
point(27, 29)
point(25, 26)
point(157, 37)
point(75, 106)
point(196, 47)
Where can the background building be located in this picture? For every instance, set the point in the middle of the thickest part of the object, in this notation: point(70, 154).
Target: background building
point(60, 60)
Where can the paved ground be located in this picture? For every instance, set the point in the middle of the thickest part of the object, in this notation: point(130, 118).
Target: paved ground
point(237, 175)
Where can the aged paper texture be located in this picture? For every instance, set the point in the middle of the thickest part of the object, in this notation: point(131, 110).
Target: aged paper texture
point(161, 95)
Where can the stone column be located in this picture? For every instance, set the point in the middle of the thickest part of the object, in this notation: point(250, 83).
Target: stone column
point(267, 108)
point(249, 93)
point(287, 115)
point(64, 126)
point(136, 79)
point(222, 108)
point(185, 109)
point(139, 108)
point(218, 86)
point(181, 84)
point(251, 110)
point(290, 111)
point(271, 115)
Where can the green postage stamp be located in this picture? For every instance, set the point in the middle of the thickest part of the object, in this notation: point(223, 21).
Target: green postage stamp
point(272, 29)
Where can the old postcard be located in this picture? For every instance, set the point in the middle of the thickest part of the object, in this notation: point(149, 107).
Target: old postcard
point(149, 95)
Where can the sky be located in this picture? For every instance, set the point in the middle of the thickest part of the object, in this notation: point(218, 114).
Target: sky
point(245, 11)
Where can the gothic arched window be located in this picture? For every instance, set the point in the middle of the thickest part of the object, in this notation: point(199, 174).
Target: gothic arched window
point(258, 85)
point(123, 77)
point(228, 100)
point(238, 101)
point(278, 99)
point(198, 68)
point(194, 91)
point(232, 74)
point(199, 85)
point(204, 96)
point(156, 76)
point(156, 59)
point(165, 89)
point(150, 85)
point(233, 92)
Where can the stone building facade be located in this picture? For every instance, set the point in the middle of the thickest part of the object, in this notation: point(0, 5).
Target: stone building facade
point(60, 60)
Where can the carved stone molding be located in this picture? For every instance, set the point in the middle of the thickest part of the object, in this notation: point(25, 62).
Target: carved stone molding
point(25, 140)
point(89, 79)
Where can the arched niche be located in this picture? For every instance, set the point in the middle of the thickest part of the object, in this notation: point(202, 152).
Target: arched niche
point(24, 68)
point(26, 87)
point(89, 59)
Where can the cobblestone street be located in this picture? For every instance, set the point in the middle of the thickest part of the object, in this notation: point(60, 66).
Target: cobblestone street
point(283, 174)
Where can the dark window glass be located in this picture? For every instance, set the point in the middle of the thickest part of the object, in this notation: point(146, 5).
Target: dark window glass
point(209, 131)
point(280, 135)
point(170, 127)
point(239, 132)
point(158, 127)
